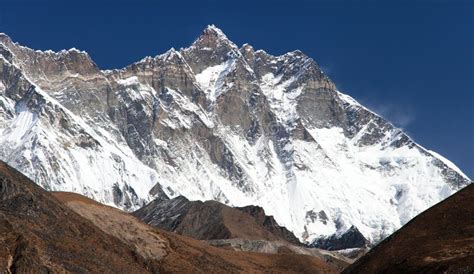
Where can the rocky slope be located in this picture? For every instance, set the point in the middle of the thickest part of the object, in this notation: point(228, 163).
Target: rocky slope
point(332, 258)
point(215, 122)
point(39, 233)
point(439, 240)
point(73, 234)
point(212, 220)
point(352, 238)
point(186, 255)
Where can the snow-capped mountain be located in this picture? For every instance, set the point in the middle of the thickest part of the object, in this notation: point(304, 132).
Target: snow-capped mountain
point(215, 122)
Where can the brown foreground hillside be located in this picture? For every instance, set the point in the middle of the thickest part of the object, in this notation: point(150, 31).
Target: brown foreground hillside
point(186, 255)
point(38, 234)
point(439, 240)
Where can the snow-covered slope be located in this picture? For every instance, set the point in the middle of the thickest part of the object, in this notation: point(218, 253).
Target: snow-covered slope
point(214, 121)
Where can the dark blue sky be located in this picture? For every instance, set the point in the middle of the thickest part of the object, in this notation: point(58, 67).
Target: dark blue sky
point(410, 61)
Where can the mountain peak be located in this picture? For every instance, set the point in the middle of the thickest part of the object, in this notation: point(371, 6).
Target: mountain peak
point(247, 47)
point(211, 38)
point(4, 38)
point(211, 48)
point(239, 125)
point(213, 30)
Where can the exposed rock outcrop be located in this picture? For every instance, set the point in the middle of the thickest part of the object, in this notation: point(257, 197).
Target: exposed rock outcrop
point(212, 220)
point(352, 238)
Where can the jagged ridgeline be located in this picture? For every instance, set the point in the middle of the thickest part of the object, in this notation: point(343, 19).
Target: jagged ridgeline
point(215, 122)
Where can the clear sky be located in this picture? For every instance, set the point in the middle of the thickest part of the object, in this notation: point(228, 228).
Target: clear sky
point(410, 61)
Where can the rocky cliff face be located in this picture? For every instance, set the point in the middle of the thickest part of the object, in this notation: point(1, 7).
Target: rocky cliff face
point(352, 238)
point(215, 122)
point(212, 220)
